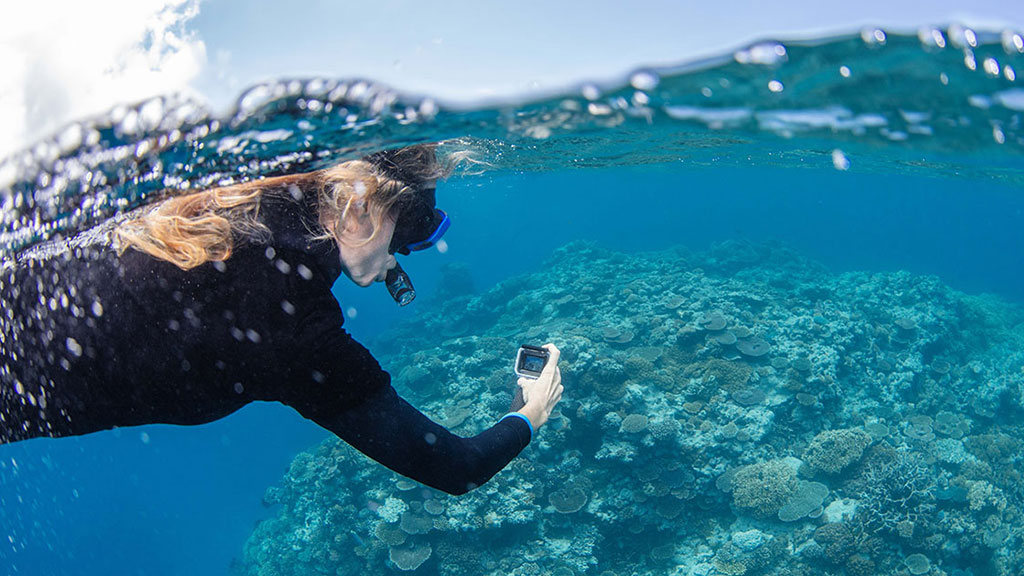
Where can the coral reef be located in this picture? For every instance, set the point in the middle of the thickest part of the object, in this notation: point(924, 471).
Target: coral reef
point(763, 488)
point(740, 411)
point(832, 451)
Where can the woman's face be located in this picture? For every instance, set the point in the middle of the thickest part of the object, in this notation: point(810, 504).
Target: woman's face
point(365, 263)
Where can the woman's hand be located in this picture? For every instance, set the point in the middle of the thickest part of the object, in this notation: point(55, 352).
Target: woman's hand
point(541, 395)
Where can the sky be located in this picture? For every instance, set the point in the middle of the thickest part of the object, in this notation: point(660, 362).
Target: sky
point(62, 60)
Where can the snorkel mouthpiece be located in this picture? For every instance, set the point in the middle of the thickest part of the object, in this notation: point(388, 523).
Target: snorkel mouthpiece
point(400, 286)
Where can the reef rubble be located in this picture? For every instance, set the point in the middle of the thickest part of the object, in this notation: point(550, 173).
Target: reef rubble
point(739, 411)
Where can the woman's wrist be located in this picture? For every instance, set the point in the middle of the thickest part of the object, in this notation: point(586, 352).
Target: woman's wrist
point(524, 418)
point(533, 414)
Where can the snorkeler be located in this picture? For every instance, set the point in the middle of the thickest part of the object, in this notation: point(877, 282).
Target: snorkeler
point(183, 311)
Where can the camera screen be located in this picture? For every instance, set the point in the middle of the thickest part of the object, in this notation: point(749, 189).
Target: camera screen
point(533, 363)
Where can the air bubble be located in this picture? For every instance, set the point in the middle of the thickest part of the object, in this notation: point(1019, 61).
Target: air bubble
point(74, 347)
point(428, 109)
point(644, 80)
point(971, 37)
point(969, 61)
point(991, 67)
point(776, 86)
point(873, 36)
point(764, 54)
point(1013, 42)
point(932, 37)
point(839, 160)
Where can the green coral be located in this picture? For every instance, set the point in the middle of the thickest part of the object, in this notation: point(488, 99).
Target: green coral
point(832, 451)
point(763, 488)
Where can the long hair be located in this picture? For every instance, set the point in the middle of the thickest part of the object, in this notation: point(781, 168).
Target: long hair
point(200, 227)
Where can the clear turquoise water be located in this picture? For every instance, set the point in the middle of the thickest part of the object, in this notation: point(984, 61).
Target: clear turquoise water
point(854, 152)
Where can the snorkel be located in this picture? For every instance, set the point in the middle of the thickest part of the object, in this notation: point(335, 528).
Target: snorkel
point(400, 286)
point(411, 224)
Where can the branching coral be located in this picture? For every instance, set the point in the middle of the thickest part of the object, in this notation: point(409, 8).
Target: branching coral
point(894, 492)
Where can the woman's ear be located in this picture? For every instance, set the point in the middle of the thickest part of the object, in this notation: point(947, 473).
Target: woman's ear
point(355, 222)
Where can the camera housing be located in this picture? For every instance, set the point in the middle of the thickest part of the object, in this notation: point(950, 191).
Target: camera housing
point(530, 361)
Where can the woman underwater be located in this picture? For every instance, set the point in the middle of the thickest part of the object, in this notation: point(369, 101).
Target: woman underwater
point(183, 311)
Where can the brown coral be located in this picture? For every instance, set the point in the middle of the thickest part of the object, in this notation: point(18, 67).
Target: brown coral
point(832, 451)
point(763, 488)
point(730, 376)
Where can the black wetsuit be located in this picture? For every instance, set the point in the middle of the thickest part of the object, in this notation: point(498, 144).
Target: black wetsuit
point(91, 341)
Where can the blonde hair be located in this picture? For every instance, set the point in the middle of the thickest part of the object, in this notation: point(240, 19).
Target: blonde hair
point(202, 227)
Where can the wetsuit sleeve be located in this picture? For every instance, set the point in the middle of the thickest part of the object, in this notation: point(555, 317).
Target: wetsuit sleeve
point(392, 432)
point(343, 388)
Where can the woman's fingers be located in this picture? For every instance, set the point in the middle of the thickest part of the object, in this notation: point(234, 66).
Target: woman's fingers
point(553, 355)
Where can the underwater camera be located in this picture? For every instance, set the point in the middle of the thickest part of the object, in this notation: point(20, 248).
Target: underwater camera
point(530, 361)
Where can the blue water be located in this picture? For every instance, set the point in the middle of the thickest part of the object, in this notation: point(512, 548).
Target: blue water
point(947, 201)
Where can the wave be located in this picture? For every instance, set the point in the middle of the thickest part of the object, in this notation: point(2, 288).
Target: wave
point(943, 102)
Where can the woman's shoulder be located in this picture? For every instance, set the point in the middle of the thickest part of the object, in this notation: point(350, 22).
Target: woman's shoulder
point(294, 226)
point(92, 243)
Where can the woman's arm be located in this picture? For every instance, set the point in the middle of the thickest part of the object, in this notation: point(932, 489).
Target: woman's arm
point(388, 429)
point(335, 381)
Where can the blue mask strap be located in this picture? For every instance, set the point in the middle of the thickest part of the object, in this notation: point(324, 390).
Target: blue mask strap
point(438, 233)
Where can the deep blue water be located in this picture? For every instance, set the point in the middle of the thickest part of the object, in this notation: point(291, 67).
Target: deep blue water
point(163, 500)
point(184, 502)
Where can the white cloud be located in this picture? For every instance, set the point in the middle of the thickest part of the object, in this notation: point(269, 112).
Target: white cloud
point(63, 60)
